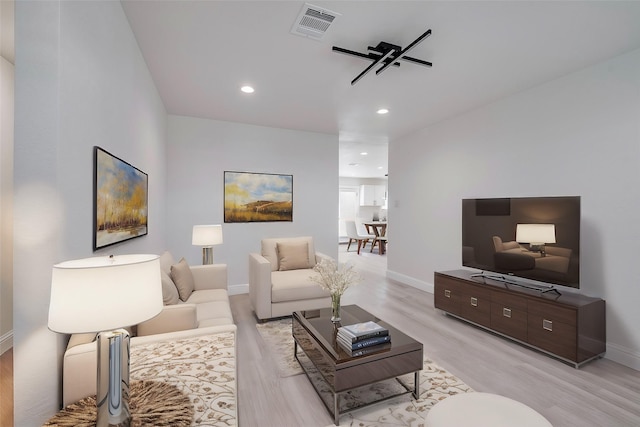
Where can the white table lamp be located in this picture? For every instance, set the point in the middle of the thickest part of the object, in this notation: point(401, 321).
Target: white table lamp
point(104, 295)
point(536, 235)
point(207, 236)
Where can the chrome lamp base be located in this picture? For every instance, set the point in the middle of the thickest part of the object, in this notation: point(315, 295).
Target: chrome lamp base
point(112, 398)
point(207, 255)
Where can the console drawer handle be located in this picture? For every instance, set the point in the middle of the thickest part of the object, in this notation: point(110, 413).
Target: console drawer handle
point(506, 312)
point(474, 301)
point(447, 293)
point(547, 325)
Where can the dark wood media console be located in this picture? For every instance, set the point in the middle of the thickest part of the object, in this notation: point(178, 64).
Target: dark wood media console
point(570, 326)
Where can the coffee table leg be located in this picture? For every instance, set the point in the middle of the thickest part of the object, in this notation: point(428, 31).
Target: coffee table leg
point(416, 383)
point(336, 408)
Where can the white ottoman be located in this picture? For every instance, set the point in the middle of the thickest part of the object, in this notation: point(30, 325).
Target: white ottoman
point(483, 410)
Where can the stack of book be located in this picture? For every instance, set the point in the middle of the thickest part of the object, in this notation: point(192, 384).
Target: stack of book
point(363, 338)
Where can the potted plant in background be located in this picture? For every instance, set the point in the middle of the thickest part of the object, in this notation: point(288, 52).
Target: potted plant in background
point(336, 279)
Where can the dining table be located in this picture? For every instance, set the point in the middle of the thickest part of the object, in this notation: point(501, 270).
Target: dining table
point(379, 229)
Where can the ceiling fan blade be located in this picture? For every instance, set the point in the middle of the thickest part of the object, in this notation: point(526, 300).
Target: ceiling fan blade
point(373, 64)
point(404, 51)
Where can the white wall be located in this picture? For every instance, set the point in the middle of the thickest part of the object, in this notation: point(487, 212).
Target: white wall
point(6, 204)
point(199, 151)
point(80, 81)
point(578, 135)
point(7, 71)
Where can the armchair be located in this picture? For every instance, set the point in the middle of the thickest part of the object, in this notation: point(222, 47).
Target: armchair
point(279, 278)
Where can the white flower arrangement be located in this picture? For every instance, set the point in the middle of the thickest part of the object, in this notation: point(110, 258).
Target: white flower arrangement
point(335, 278)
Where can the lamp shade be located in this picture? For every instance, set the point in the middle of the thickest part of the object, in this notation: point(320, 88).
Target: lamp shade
point(536, 233)
point(104, 293)
point(206, 235)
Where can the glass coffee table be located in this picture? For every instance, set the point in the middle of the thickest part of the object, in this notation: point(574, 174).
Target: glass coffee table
point(331, 369)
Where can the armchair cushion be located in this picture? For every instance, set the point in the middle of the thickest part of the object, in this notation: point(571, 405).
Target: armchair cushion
point(295, 286)
point(270, 249)
point(293, 256)
point(183, 278)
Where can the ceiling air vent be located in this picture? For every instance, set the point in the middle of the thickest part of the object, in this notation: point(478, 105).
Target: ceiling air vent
point(313, 21)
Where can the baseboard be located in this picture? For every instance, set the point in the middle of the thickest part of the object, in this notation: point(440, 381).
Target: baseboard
point(623, 356)
point(411, 281)
point(6, 342)
point(239, 289)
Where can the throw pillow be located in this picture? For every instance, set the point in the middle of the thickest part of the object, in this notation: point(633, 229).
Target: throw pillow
point(169, 290)
point(182, 277)
point(292, 256)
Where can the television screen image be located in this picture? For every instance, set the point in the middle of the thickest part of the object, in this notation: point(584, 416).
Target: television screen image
point(535, 238)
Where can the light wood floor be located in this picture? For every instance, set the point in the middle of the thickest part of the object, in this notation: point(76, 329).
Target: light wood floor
point(600, 394)
point(6, 388)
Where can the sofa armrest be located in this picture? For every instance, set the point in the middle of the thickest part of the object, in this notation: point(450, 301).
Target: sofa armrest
point(211, 276)
point(260, 285)
point(172, 318)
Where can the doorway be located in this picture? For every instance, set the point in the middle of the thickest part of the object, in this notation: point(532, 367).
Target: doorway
point(348, 209)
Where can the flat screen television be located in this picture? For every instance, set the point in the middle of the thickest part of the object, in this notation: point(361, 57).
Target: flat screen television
point(531, 238)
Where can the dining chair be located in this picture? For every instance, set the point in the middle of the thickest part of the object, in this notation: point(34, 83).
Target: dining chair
point(381, 241)
point(353, 234)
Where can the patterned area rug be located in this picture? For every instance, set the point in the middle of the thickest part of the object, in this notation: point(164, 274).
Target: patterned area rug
point(277, 335)
point(202, 367)
point(436, 384)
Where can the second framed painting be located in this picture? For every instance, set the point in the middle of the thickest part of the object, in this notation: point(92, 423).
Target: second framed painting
point(257, 197)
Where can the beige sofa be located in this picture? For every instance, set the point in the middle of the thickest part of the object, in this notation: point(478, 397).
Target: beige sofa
point(509, 256)
point(279, 278)
point(196, 305)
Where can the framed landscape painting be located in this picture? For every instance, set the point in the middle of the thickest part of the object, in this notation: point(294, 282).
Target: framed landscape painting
point(257, 197)
point(120, 200)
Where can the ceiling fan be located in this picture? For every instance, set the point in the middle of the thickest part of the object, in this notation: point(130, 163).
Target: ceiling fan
point(386, 54)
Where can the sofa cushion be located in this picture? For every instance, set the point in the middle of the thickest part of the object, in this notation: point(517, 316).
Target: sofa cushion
point(169, 290)
point(182, 277)
point(270, 249)
point(292, 255)
point(294, 285)
point(213, 313)
point(206, 295)
point(166, 261)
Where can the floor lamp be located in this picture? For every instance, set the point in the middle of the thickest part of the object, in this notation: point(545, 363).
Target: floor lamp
point(207, 236)
point(105, 295)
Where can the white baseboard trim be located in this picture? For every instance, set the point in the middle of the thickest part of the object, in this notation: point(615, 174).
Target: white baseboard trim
point(6, 342)
point(623, 356)
point(411, 281)
point(239, 289)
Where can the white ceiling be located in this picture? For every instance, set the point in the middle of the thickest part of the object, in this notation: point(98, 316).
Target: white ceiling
point(201, 52)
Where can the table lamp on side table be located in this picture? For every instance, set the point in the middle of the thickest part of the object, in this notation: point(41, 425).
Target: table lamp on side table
point(207, 236)
point(104, 295)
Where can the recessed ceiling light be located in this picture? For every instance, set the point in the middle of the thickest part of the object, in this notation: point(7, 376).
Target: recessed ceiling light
point(383, 111)
point(364, 153)
point(247, 89)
